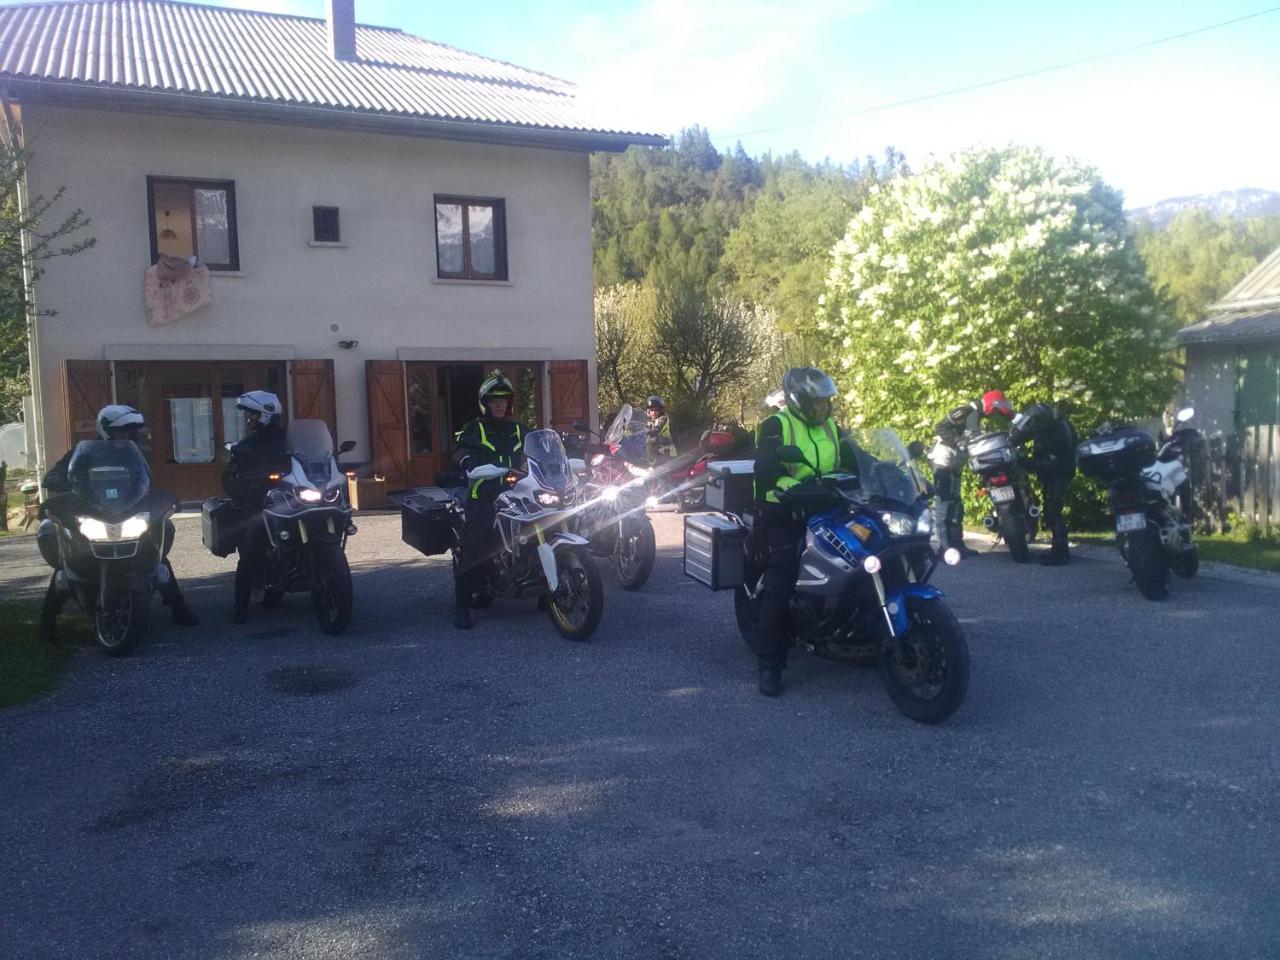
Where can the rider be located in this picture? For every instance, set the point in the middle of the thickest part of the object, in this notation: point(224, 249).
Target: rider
point(491, 438)
point(947, 456)
point(805, 423)
point(1053, 457)
point(116, 422)
point(658, 430)
point(247, 479)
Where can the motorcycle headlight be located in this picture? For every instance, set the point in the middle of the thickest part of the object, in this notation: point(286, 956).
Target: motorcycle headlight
point(898, 524)
point(924, 525)
point(610, 493)
point(92, 529)
point(333, 494)
point(307, 495)
point(547, 499)
point(597, 459)
point(135, 526)
point(131, 529)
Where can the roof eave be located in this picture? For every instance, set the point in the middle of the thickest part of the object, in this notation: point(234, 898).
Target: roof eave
point(100, 97)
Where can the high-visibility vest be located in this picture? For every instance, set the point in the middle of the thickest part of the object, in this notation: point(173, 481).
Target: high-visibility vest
point(506, 459)
point(820, 445)
point(666, 444)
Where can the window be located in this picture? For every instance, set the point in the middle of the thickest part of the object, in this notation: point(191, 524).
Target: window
point(471, 239)
point(194, 218)
point(325, 227)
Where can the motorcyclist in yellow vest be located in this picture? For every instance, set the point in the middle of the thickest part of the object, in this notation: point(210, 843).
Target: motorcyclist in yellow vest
point(492, 438)
point(659, 442)
point(804, 423)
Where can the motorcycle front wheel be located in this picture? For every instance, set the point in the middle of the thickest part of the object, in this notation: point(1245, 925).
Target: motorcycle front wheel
point(578, 602)
point(1013, 528)
point(634, 552)
point(1148, 564)
point(926, 670)
point(331, 593)
point(120, 624)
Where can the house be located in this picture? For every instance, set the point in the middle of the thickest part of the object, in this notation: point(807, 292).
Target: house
point(383, 219)
point(1233, 381)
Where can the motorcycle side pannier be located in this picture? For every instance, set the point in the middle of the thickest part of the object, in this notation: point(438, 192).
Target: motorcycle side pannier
point(1121, 453)
point(426, 524)
point(730, 485)
point(714, 550)
point(222, 525)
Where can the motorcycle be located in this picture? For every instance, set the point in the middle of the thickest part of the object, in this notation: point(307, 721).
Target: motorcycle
point(307, 520)
point(863, 591)
point(685, 479)
point(1014, 513)
point(109, 541)
point(1148, 492)
point(539, 550)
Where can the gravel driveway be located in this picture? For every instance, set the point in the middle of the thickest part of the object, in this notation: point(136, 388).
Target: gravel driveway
point(1110, 788)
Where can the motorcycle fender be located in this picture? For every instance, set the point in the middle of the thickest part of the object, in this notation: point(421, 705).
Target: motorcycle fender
point(547, 555)
point(896, 604)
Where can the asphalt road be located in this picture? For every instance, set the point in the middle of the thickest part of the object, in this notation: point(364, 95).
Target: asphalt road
point(1108, 790)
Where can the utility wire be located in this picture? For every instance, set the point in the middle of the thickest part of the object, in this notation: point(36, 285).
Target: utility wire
point(999, 80)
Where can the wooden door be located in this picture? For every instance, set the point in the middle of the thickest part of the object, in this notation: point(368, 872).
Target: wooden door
point(388, 427)
point(569, 395)
point(312, 391)
point(86, 390)
point(184, 441)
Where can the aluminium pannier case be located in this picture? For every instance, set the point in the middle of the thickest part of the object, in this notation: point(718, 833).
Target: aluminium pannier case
point(426, 524)
point(730, 485)
point(714, 550)
point(222, 525)
point(1125, 452)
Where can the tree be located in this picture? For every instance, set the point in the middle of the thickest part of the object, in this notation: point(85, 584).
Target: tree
point(621, 341)
point(19, 265)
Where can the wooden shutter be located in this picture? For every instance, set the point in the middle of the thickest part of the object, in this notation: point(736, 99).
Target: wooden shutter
point(311, 388)
point(569, 400)
point(87, 389)
point(388, 431)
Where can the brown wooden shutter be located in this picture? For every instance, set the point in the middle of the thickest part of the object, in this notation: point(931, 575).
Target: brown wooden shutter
point(311, 386)
point(388, 431)
point(87, 389)
point(569, 400)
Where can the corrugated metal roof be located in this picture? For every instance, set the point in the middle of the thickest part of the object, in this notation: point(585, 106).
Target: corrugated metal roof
point(184, 49)
point(1234, 327)
point(1261, 285)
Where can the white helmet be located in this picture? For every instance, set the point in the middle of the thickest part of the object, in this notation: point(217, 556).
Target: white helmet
point(261, 402)
point(115, 416)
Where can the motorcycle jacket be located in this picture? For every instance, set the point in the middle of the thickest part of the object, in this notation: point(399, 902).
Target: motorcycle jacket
point(658, 432)
point(825, 446)
point(1052, 437)
point(486, 440)
point(959, 424)
point(253, 459)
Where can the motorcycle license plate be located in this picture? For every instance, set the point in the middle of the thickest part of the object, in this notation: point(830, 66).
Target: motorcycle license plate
point(1002, 494)
point(1128, 522)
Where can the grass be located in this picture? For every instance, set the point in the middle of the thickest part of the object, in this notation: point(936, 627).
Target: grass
point(29, 668)
point(1240, 547)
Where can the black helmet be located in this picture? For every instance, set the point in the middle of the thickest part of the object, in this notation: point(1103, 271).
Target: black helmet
point(801, 386)
point(655, 403)
point(496, 386)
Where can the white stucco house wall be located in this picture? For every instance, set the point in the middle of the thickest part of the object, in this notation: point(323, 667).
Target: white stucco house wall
point(384, 220)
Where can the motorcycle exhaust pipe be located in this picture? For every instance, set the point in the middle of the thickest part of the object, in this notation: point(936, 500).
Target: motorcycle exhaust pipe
point(1034, 512)
point(989, 522)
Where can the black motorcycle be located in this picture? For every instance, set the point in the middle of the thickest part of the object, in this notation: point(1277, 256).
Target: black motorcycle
point(307, 519)
point(1014, 513)
point(110, 541)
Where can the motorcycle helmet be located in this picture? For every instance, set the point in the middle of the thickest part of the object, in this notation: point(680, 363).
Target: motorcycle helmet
point(994, 401)
point(655, 403)
point(266, 405)
point(496, 386)
point(121, 417)
point(802, 386)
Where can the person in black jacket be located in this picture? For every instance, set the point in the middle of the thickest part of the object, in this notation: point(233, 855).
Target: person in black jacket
point(491, 438)
point(115, 422)
point(246, 481)
point(1053, 458)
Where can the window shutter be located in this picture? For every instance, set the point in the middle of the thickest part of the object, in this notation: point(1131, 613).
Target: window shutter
point(388, 429)
point(569, 400)
point(87, 387)
point(312, 392)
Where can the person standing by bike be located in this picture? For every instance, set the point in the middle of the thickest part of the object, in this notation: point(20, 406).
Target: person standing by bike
point(952, 435)
point(1053, 458)
point(658, 430)
point(246, 481)
point(491, 438)
point(805, 423)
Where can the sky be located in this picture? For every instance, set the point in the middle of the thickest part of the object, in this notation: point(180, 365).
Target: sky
point(1191, 115)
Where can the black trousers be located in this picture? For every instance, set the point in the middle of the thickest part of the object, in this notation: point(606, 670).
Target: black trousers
point(949, 507)
point(1053, 493)
point(478, 542)
point(779, 541)
point(251, 561)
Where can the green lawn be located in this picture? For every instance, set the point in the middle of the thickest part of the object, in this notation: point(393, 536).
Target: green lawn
point(1236, 548)
point(28, 667)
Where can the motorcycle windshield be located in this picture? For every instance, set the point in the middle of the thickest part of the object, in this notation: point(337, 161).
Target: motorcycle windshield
point(109, 478)
point(546, 459)
point(621, 424)
point(884, 466)
point(310, 443)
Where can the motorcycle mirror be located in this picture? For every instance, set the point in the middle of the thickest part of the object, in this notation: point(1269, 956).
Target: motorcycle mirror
point(227, 446)
point(1185, 414)
point(346, 446)
point(915, 450)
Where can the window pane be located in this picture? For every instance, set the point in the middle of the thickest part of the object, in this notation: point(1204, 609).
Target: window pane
point(483, 251)
point(421, 410)
point(213, 232)
point(191, 422)
point(449, 237)
point(172, 203)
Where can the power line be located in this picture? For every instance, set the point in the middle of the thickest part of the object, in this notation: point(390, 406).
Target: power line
point(999, 80)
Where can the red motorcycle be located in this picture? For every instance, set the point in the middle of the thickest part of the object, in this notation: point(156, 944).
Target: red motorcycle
point(683, 480)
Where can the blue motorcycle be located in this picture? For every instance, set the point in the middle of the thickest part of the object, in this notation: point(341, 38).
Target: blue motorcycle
point(863, 590)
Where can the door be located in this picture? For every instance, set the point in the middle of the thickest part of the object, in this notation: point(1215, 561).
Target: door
point(86, 390)
point(428, 447)
point(311, 389)
point(569, 399)
point(388, 427)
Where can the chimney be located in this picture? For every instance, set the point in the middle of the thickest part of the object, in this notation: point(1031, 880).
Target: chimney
point(342, 29)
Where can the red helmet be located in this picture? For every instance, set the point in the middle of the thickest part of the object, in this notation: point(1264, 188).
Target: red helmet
point(993, 401)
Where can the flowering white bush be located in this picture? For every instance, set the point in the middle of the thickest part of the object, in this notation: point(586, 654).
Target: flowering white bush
point(995, 269)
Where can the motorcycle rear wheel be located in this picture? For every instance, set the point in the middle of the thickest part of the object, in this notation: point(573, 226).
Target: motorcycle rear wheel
point(120, 627)
point(1148, 563)
point(634, 552)
point(331, 593)
point(926, 670)
point(578, 603)
point(1014, 530)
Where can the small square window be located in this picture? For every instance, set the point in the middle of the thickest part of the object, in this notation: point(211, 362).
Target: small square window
point(325, 225)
